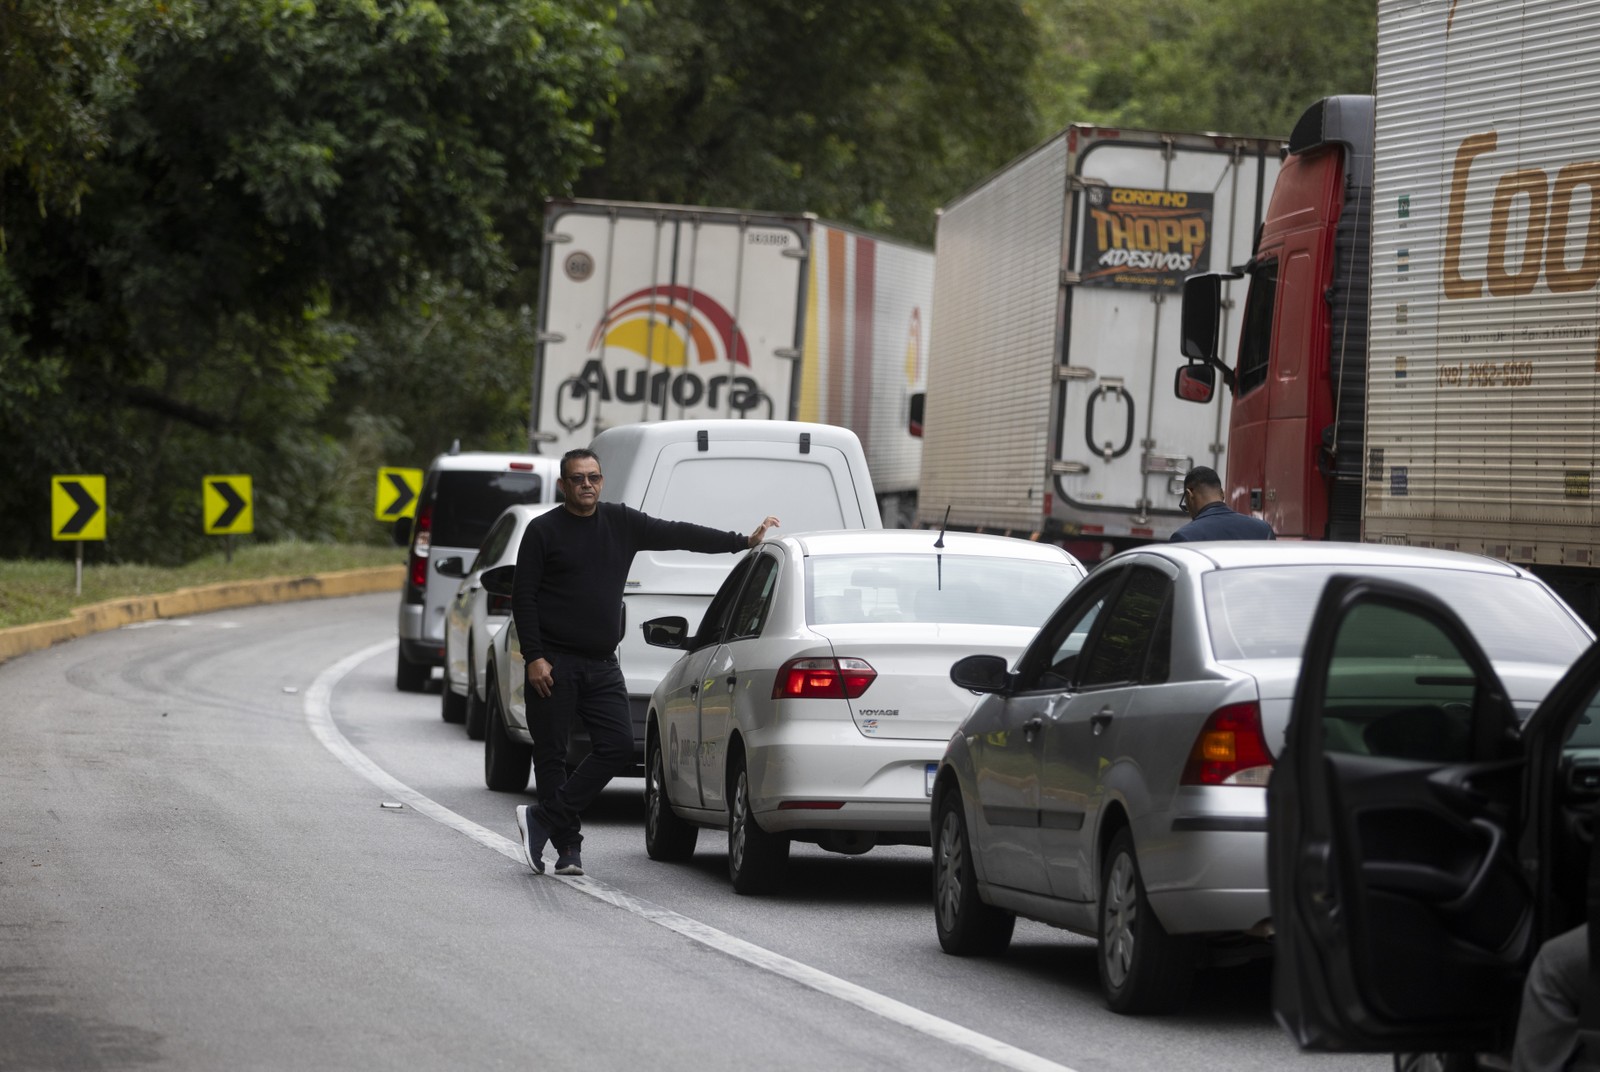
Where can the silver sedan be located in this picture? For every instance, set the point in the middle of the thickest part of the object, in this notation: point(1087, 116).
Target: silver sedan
point(813, 701)
point(474, 615)
point(1114, 782)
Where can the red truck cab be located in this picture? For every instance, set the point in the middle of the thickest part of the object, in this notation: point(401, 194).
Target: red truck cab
point(1295, 430)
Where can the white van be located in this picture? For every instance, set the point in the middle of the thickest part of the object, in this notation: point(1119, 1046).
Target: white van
point(727, 474)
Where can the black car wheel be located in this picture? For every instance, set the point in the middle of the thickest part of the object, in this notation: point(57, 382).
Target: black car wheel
point(666, 836)
point(967, 927)
point(1143, 969)
point(452, 708)
point(475, 709)
point(408, 676)
point(506, 762)
point(756, 859)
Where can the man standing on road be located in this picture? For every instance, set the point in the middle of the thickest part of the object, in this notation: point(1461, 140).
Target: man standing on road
point(1210, 517)
point(572, 566)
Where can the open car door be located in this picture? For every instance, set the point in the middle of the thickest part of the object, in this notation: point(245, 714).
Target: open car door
point(1404, 921)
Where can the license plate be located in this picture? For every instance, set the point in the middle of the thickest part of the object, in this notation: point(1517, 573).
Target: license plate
point(931, 772)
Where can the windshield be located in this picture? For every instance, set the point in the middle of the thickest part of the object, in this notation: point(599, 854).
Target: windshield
point(1265, 613)
point(468, 502)
point(947, 588)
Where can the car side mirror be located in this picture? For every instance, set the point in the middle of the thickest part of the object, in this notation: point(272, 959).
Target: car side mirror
point(401, 533)
point(450, 567)
point(671, 632)
point(981, 673)
point(499, 581)
point(1195, 383)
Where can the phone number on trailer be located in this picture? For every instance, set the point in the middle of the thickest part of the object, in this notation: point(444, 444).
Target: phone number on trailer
point(1487, 374)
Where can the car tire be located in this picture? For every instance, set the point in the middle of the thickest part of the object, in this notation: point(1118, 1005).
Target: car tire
point(1143, 969)
point(1435, 1062)
point(506, 762)
point(967, 927)
point(666, 835)
point(756, 859)
point(452, 708)
point(473, 709)
point(409, 676)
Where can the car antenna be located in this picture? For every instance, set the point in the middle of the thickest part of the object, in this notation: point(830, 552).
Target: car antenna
point(939, 559)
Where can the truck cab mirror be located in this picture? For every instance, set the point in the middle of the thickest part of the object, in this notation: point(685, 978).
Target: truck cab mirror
point(1195, 382)
point(919, 401)
point(1202, 314)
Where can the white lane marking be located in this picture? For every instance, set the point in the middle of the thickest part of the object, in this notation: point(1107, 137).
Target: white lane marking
point(319, 714)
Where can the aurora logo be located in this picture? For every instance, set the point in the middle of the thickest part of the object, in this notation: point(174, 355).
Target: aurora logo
point(668, 324)
point(679, 330)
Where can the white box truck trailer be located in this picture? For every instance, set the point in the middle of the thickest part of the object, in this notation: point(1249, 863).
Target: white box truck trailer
point(666, 312)
point(1049, 409)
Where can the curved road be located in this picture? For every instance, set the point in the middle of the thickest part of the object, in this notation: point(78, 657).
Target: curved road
point(197, 872)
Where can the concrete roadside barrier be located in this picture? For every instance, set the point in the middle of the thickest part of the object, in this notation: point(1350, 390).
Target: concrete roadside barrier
point(115, 613)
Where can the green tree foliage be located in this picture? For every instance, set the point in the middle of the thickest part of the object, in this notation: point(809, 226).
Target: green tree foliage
point(870, 113)
point(270, 175)
point(1242, 66)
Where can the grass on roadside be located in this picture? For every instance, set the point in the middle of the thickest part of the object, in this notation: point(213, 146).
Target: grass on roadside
point(42, 590)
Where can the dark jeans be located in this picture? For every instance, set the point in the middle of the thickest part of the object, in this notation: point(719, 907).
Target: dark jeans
point(594, 691)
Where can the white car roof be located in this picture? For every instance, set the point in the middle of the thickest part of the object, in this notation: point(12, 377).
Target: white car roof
point(921, 541)
point(1245, 554)
point(493, 461)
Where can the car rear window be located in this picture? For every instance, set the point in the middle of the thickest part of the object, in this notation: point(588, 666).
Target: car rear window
point(466, 503)
point(1266, 613)
point(952, 589)
point(736, 493)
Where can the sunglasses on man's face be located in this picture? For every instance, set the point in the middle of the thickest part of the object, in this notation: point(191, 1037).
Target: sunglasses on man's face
point(583, 478)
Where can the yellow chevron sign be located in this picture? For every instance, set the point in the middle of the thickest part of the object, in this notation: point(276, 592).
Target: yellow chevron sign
point(78, 507)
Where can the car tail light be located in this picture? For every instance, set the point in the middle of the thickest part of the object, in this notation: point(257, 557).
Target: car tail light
point(1231, 749)
point(522, 466)
point(499, 605)
point(420, 545)
point(830, 679)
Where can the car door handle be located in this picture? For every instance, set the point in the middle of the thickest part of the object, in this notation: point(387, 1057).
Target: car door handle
point(1100, 721)
point(1031, 727)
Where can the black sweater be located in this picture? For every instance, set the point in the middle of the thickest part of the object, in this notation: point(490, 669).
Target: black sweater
point(571, 571)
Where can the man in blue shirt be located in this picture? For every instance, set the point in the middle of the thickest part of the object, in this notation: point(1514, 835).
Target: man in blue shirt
point(1211, 519)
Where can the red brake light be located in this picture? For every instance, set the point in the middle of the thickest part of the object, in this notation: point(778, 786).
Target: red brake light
point(830, 679)
point(525, 466)
point(1230, 750)
point(498, 605)
point(422, 540)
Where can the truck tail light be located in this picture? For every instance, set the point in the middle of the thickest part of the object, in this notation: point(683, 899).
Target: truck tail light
point(498, 605)
point(829, 679)
point(420, 543)
point(1230, 750)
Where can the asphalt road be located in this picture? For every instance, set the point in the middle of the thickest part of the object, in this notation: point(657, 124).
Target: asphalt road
point(197, 872)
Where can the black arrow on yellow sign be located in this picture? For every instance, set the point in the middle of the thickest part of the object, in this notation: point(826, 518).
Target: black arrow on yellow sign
point(87, 508)
point(403, 495)
point(233, 505)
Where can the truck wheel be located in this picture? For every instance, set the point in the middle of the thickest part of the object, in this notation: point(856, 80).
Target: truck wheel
point(473, 708)
point(756, 859)
point(408, 676)
point(967, 927)
point(506, 762)
point(666, 835)
point(1143, 969)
